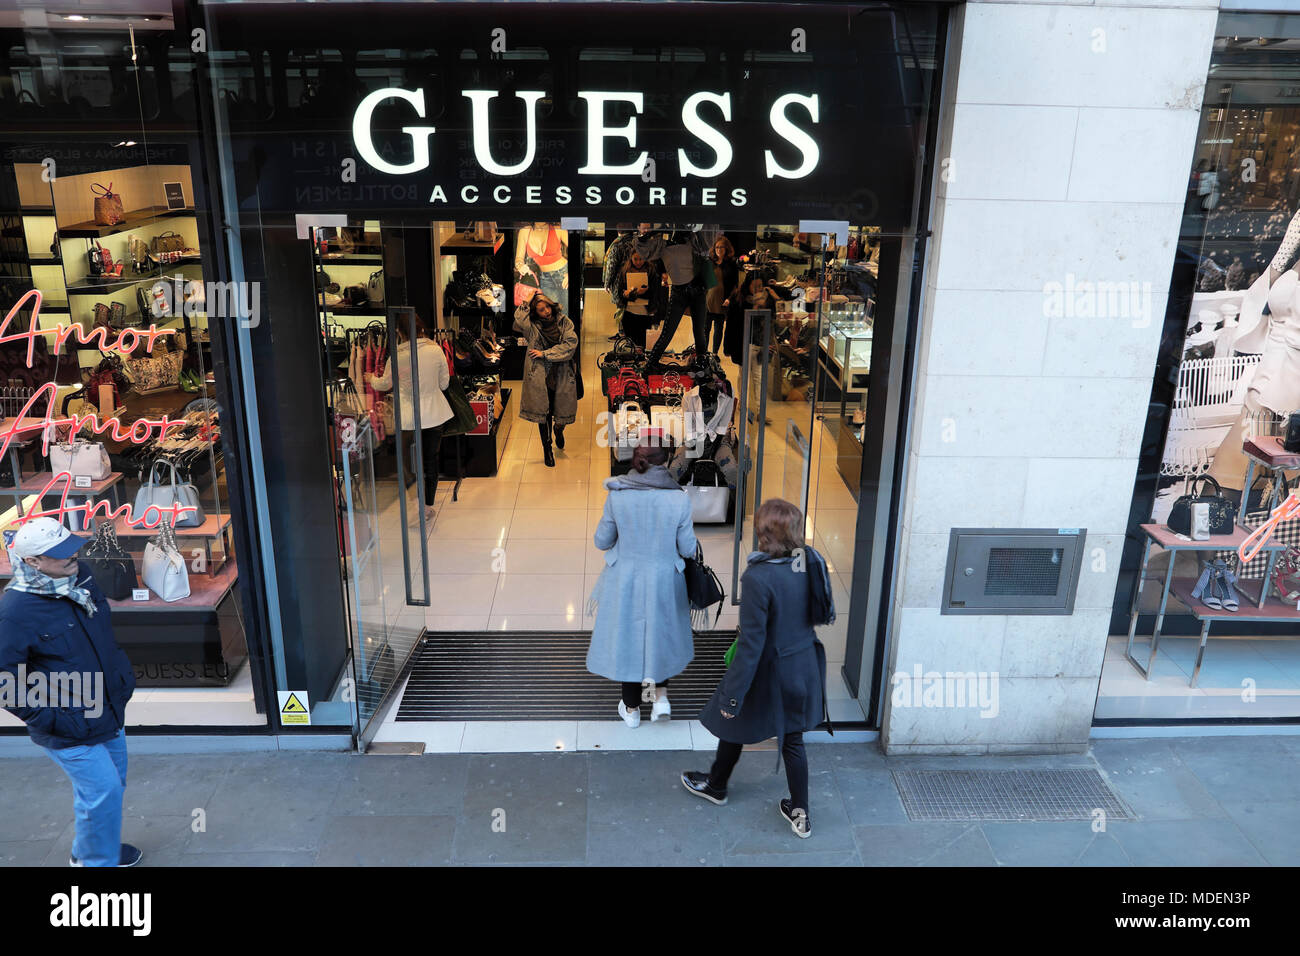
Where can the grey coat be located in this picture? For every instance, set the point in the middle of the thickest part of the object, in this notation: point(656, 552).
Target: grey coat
point(643, 623)
point(776, 683)
point(535, 404)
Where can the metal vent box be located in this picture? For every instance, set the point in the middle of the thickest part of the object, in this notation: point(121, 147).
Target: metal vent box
point(1012, 570)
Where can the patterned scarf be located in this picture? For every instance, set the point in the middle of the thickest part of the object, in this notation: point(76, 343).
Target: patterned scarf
point(27, 578)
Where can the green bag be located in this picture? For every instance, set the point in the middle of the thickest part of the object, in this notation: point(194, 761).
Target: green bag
point(463, 420)
point(706, 273)
point(730, 656)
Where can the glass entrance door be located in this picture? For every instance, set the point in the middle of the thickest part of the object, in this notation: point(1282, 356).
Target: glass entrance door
point(372, 368)
point(778, 401)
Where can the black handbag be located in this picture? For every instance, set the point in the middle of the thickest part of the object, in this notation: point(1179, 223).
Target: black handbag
point(1221, 510)
point(93, 260)
point(1291, 442)
point(703, 590)
point(109, 564)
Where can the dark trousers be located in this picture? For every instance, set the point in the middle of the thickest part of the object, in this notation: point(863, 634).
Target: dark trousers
point(635, 326)
point(792, 754)
point(430, 444)
point(632, 693)
point(716, 322)
point(679, 300)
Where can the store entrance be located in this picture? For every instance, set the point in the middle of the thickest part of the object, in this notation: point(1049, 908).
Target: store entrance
point(467, 503)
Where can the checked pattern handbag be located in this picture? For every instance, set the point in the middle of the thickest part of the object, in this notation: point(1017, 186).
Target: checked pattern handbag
point(1286, 532)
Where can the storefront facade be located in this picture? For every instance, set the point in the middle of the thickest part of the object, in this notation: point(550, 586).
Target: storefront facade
point(929, 397)
point(361, 164)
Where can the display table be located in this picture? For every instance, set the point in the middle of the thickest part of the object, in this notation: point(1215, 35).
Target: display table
point(1263, 608)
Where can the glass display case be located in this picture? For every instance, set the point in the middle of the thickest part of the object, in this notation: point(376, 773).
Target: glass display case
point(846, 345)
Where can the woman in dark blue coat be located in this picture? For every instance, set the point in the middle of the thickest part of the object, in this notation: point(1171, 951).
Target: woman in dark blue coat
point(776, 684)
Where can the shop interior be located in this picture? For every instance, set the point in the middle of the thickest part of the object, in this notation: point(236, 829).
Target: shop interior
point(115, 251)
point(507, 544)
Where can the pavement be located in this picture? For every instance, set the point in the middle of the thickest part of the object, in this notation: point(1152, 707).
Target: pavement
point(1203, 801)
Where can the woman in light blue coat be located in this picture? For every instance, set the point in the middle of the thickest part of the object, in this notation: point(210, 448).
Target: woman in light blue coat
point(643, 623)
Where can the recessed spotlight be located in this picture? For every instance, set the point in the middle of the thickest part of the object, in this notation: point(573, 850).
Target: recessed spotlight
point(75, 16)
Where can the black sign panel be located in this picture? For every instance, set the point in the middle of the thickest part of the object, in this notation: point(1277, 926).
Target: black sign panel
point(678, 112)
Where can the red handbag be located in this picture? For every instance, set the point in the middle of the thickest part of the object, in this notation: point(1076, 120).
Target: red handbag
point(1286, 577)
point(628, 383)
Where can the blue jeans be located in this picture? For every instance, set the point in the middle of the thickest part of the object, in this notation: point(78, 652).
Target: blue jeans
point(98, 775)
point(552, 284)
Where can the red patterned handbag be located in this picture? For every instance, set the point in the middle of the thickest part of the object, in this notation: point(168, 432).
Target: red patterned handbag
point(1286, 577)
point(628, 383)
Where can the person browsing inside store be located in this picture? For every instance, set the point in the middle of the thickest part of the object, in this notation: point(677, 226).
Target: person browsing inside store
point(435, 411)
point(55, 621)
point(642, 635)
point(776, 683)
point(639, 296)
point(721, 295)
point(550, 385)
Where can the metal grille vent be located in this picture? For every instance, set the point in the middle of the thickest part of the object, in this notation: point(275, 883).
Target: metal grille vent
point(958, 795)
point(1023, 571)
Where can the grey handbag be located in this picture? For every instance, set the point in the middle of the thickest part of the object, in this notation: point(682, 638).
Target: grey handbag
point(167, 495)
point(375, 288)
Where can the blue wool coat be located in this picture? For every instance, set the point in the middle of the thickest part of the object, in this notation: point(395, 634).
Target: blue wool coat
point(643, 623)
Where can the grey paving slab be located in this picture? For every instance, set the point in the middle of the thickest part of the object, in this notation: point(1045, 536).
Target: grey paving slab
point(522, 808)
point(1154, 781)
point(1186, 843)
point(1038, 844)
point(752, 822)
point(811, 858)
point(36, 798)
point(969, 849)
point(1272, 828)
point(870, 796)
point(267, 858)
point(863, 756)
point(1242, 769)
point(432, 784)
point(165, 836)
point(907, 844)
point(1104, 851)
point(272, 802)
point(168, 784)
point(387, 841)
point(654, 843)
point(25, 852)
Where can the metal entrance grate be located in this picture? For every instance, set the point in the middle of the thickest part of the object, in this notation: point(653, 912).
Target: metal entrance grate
point(1008, 795)
point(538, 676)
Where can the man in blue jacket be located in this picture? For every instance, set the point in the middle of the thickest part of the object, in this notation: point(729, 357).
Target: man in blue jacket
point(69, 682)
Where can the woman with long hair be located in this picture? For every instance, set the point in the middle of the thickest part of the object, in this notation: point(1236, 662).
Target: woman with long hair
point(718, 300)
point(776, 683)
point(550, 387)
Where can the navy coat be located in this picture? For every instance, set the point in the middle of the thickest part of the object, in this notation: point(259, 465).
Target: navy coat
point(55, 634)
point(776, 683)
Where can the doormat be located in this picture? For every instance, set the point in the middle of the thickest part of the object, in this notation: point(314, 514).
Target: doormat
point(536, 675)
point(958, 795)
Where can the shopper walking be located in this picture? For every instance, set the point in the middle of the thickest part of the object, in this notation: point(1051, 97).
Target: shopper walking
point(434, 377)
point(776, 684)
point(550, 388)
point(56, 622)
point(643, 626)
point(640, 300)
point(718, 299)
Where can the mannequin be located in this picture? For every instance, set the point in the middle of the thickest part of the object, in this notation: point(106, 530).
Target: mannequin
point(1275, 385)
point(542, 249)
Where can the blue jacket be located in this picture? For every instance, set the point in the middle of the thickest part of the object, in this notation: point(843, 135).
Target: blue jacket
point(53, 634)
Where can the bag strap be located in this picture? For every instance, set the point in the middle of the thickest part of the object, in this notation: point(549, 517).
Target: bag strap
point(105, 191)
point(1198, 483)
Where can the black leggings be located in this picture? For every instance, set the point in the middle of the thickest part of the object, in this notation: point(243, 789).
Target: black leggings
point(632, 693)
point(792, 754)
point(430, 443)
point(717, 320)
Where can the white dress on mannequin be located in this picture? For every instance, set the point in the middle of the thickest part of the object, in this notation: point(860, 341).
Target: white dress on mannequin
point(1276, 385)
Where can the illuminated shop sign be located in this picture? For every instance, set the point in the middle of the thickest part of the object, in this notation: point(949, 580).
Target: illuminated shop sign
point(611, 149)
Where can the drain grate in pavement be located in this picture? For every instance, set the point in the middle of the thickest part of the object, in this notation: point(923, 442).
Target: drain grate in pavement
point(1074, 794)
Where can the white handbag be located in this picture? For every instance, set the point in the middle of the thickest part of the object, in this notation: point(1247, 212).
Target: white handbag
point(81, 459)
point(708, 492)
point(625, 430)
point(671, 419)
point(164, 571)
point(169, 495)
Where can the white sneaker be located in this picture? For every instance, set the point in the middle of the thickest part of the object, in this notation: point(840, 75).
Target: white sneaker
point(662, 710)
point(633, 719)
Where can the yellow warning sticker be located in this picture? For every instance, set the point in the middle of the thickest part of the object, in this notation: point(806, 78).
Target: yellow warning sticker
point(294, 709)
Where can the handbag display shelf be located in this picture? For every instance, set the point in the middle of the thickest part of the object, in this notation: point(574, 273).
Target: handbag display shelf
point(33, 484)
point(132, 220)
point(215, 530)
point(1256, 605)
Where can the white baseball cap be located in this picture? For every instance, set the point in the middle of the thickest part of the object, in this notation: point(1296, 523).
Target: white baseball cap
point(45, 536)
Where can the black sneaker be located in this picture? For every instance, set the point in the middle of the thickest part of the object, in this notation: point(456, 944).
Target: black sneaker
point(698, 784)
point(798, 819)
point(130, 856)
